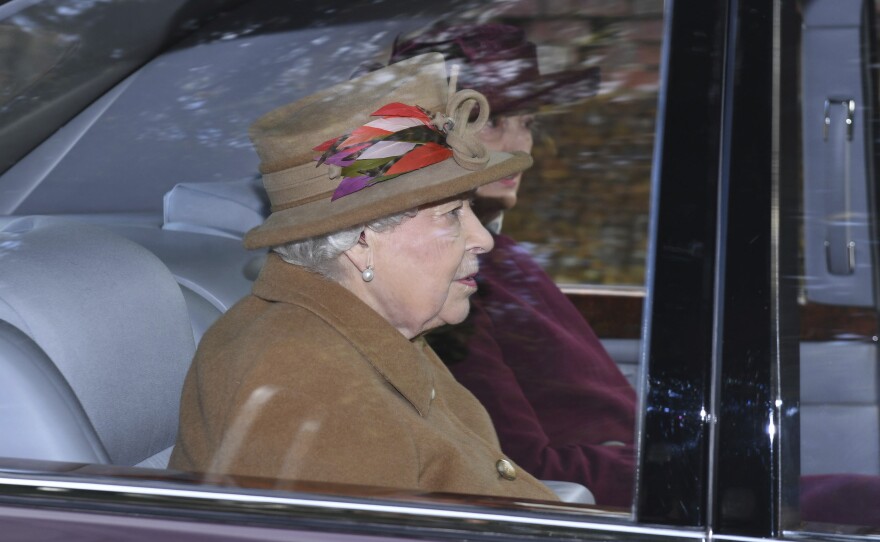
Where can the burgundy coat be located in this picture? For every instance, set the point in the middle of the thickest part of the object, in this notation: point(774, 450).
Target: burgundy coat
point(560, 405)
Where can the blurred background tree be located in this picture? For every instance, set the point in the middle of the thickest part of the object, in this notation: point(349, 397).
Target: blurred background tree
point(583, 207)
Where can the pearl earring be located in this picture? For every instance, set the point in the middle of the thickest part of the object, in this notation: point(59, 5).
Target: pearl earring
point(367, 274)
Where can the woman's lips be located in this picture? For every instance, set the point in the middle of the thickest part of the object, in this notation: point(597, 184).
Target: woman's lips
point(509, 182)
point(470, 281)
point(467, 273)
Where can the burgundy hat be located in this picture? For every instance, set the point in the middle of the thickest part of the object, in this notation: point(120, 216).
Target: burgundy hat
point(501, 64)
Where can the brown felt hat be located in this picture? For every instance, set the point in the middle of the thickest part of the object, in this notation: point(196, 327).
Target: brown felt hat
point(300, 193)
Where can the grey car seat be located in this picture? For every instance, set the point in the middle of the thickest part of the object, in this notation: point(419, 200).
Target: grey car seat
point(95, 341)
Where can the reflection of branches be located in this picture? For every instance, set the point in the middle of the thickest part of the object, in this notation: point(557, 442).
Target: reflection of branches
point(26, 55)
point(64, 55)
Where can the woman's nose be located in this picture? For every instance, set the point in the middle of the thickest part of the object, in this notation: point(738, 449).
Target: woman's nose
point(516, 138)
point(478, 239)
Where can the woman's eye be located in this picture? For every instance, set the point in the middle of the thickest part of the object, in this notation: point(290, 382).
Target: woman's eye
point(456, 211)
point(528, 122)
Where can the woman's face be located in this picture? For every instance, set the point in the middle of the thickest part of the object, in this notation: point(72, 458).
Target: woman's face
point(424, 268)
point(510, 133)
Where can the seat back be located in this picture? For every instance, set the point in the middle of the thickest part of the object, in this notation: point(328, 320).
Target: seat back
point(840, 408)
point(97, 341)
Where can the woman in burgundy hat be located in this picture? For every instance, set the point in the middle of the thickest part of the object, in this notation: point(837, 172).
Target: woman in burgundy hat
point(560, 405)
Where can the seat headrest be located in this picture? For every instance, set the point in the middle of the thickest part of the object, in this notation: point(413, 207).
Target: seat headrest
point(111, 317)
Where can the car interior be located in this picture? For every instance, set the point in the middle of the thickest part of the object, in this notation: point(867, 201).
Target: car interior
point(83, 353)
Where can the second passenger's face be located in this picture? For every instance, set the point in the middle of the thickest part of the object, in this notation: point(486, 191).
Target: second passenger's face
point(507, 134)
point(424, 267)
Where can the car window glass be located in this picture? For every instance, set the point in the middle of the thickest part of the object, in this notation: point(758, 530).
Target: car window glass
point(161, 170)
point(839, 397)
point(57, 56)
point(584, 214)
point(26, 58)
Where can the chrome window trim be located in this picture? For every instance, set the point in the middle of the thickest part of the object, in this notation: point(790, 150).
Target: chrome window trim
point(721, 231)
point(531, 522)
point(651, 251)
point(601, 289)
point(830, 537)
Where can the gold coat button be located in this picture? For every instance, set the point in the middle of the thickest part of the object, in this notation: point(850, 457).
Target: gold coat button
point(506, 469)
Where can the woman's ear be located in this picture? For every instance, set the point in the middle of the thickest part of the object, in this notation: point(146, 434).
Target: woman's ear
point(360, 254)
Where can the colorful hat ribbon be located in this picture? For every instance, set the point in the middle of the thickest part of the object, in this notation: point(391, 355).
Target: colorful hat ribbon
point(405, 138)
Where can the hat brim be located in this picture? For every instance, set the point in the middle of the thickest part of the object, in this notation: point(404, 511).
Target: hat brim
point(427, 185)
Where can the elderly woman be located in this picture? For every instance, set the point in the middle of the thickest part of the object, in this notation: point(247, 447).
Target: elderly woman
point(321, 374)
point(561, 407)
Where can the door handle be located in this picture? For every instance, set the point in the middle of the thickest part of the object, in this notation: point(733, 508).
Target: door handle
point(837, 128)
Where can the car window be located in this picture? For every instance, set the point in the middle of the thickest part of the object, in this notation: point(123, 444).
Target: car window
point(57, 56)
point(839, 440)
point(152, 180)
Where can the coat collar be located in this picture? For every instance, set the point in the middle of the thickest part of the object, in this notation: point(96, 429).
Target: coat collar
point(402, 363)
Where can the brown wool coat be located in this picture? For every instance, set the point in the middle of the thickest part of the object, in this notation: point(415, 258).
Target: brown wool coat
point(303, 381)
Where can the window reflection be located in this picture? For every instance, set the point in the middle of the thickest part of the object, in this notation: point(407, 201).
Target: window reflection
point(584, 205)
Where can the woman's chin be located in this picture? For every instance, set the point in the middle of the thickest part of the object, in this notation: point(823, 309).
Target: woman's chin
point(500, 194)
point(457, 313)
